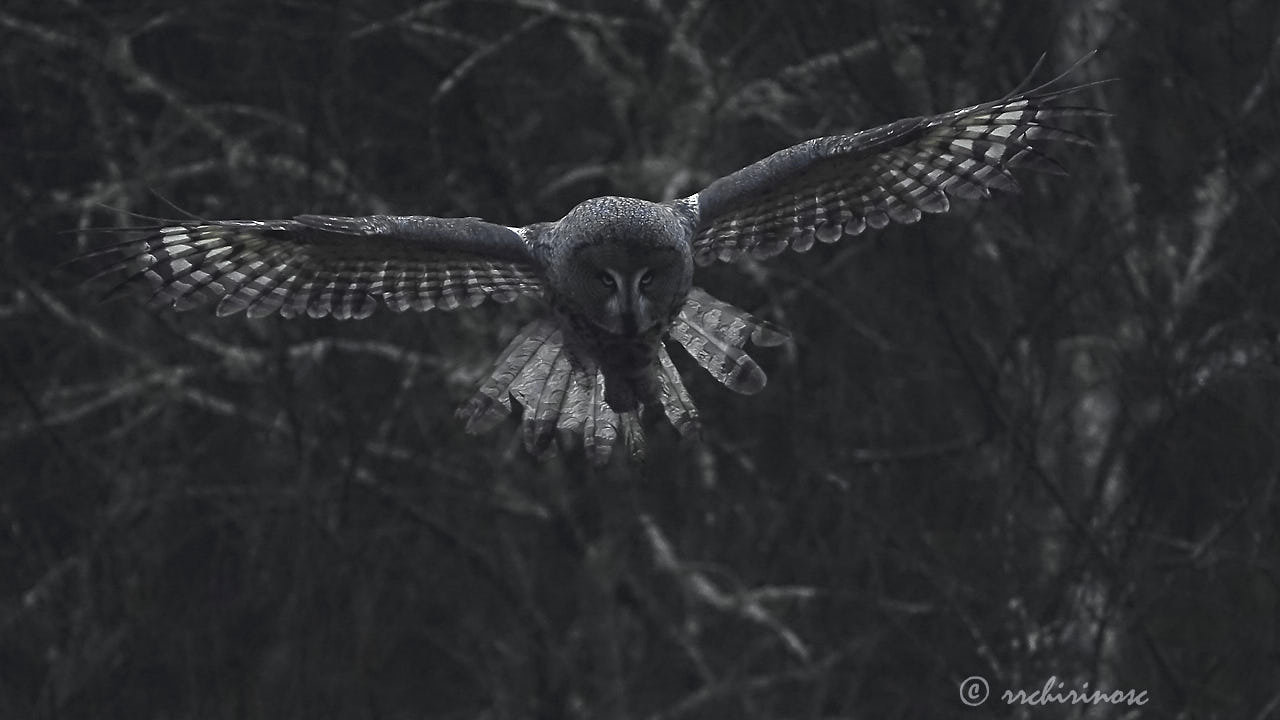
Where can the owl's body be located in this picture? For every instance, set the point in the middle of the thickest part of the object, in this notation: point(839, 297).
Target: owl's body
point(619, 272)
point(616, 274)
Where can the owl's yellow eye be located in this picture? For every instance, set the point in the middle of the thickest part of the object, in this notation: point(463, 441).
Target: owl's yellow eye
point(646, 278)
point(607, 279)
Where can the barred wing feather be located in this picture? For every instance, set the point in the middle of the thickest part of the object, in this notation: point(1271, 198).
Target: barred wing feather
point(838, 186)
point(319, 265)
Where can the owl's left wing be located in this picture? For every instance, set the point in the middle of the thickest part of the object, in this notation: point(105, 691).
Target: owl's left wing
point(838, 186)
point(322, 265)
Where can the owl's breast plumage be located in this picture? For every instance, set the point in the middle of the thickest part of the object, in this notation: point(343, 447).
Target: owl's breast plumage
point(628, 362)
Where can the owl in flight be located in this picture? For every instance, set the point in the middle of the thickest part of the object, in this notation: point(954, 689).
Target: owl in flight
point(615, 274)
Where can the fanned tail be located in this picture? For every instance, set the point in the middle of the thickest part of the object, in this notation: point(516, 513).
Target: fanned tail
point(561, 396)
point(562, 393)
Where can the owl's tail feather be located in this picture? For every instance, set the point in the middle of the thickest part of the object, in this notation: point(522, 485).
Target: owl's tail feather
point(559, 395)
point(676, 402)
point(573, 411)
point(715, 333)
point(491, 403)
point(540, 388)
point(589, 421)
point(600, 424)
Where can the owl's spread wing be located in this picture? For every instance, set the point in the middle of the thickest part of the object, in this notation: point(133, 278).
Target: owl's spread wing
point(341, 266)
point(838, 186)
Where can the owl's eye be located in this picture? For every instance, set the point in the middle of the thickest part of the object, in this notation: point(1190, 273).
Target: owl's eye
point(646, 279)
point(607, 279)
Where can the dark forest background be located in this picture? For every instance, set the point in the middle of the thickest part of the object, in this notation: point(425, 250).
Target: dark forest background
point(1036, 437)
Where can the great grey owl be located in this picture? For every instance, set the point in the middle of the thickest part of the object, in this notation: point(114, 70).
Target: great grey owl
point(616, 273)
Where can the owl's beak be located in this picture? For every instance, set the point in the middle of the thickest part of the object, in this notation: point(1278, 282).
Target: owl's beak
point(637, 310)
point(634, 313)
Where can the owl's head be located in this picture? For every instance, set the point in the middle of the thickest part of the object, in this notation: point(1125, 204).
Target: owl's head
point(624, 265)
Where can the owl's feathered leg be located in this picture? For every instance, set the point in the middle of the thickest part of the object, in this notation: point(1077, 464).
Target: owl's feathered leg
point(630, 373)
point(715, 333)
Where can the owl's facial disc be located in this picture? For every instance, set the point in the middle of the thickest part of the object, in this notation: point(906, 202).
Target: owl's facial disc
point(629, 300)
point(627, 291)
point(628, 266)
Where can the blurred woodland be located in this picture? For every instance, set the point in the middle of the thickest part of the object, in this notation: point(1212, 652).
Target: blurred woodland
point(1036, 437)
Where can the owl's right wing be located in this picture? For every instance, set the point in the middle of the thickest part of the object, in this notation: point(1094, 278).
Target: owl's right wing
point(323, 265)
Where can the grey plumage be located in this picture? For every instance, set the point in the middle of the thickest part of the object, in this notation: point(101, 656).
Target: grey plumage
point(615, 273)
